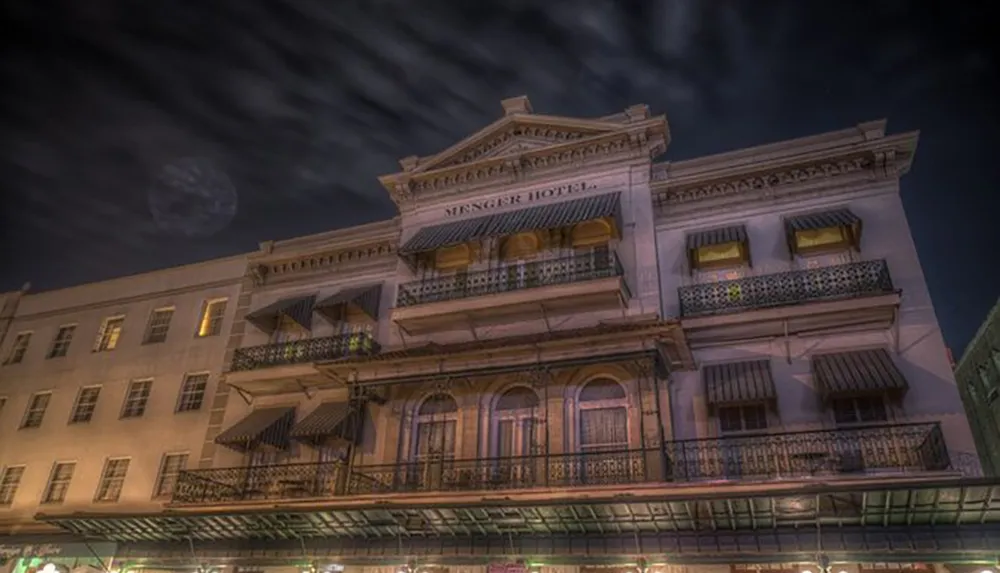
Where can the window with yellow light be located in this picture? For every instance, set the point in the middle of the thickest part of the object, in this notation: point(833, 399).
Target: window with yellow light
point(719, 256)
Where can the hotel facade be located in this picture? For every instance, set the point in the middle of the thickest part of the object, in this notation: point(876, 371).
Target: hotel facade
point(562, 356)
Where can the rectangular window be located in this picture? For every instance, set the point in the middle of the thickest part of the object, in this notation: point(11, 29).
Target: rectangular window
point(86, 402)
point(108, 335)
point(112, 480)
point(9, 482)
point(159, 324)
point(59, 480)
point(192, 392)
point(136, 398)
point(60, 344)
point(170, 468)
point(35, 413)
point(19, 348)
point(212, 314)
point(859, 410)
point(735, 419)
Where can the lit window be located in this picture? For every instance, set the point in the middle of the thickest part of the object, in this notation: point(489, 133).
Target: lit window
point(112, 479)
point(827, 237)
point(86, 402)
point(10, 480)
point(170, 468)
point(159, 324)
point(136, 398)
point(603, 416)
point(35, 413)
point(59, 480)
point(19, 348)
point(192, 392)
point(212, 314)
point(108, 335)
point(60, 344)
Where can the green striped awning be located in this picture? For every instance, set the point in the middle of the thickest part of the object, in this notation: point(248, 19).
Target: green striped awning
point(330, 420)
point(298, 309)
point(735, 234)
point(857, 372)
point(822, 220)
point(367, 299)
point(261, 427)
point(738, 382)
point(548, 216)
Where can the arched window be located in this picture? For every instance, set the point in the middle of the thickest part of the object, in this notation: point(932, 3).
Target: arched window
point(515, 421)
point(436, 423)
point(603, 416)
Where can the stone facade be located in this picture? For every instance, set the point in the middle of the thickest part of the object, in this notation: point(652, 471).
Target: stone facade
point(978, 376)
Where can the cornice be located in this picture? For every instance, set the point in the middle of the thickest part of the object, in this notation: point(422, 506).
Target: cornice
point(310, 265)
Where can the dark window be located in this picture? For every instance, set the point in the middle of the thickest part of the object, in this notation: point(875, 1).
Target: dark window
point(742, 418)
point(859, 410)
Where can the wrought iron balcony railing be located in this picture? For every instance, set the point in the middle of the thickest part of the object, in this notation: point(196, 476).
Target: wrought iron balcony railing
point(850, 280)
point(903, 448)
point(566, 270)
point(259, 483)
point(301, 351)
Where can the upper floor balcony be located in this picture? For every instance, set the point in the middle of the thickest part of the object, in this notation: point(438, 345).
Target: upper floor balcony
point(891, 449)
point(590, 280)
point(851, 295)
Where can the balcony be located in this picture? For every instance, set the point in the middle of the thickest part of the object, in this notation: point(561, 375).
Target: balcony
point(886, 449)
point(858, 295)
point(530, 290)
point(261, 368)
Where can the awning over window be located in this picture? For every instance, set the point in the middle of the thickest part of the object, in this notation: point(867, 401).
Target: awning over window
point(857, 372)
point(298, 309)
point(367, 299)
point(823, 220)
point(738, 382)
point(549, 216)
point(736, 234)
point(261, 427)
point(336, 421)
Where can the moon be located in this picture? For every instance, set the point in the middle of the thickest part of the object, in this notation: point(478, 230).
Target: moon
point(191, 197)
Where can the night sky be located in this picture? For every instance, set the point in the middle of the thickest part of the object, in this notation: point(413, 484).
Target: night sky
point(295, 106)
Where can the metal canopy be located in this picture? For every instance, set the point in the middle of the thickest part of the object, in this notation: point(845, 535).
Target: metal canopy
point(367, 299)
point(738, 382)
point(263, 426)
point(330, 420)
point(857, 372)
point(540, 217)
point(298, 309)
point(735, 234)
point(822, 220)
point(734, 509)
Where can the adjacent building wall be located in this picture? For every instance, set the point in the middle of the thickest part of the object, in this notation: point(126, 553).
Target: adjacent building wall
point(978, 376)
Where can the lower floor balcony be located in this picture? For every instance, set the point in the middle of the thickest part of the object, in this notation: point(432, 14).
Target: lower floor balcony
point(894, 449)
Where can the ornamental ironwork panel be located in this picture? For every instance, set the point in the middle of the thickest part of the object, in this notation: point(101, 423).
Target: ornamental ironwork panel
point(850, 280)
point(521, 472)
point(259, 483)
point(903, 448)
point(302, 351)
point(513, 277)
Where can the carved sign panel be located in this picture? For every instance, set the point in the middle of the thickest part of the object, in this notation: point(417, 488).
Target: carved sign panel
point(519, 198)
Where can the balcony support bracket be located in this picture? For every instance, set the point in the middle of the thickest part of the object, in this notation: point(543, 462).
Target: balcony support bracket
point(403, 333)
point(788, 342)
point(305, 389)
point(545, 317)
point(246, 396)
point(472, 328)
point(895, 328)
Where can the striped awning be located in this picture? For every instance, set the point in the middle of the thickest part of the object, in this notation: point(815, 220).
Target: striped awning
point(822, 220)
point(738, 382)
point(735, 234)
point(329, 421)
point(261, 427)
point(298, 309)
point(548, 216)
point(857, 372)
point(367, 299)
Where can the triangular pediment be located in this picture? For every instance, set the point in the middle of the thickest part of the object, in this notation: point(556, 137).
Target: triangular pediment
point(518, 132)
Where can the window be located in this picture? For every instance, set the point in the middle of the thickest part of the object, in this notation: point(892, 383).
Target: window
point(112, 480)
point(603, 416)
point(859, 410)
point(192, 392)
point(515, 417)
point(159, 324)
point(60, 344)
point(59, 480)
point(9, 482)
point(86, 402)
point(108, 335)
point(212, 313)
point(749, 418)
point(170, 468)
point(19, 348)
point(35, 413)
point(136, 398)
point(437, 419)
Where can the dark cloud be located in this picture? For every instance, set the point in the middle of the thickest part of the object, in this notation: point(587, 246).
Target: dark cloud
point(302, 103)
